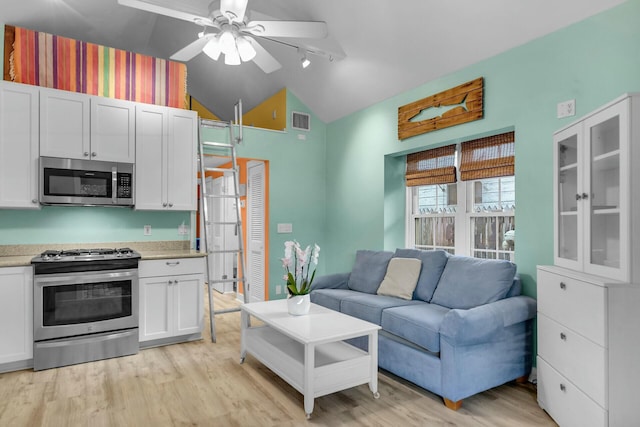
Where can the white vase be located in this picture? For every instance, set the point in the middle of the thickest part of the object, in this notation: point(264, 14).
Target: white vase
point(299, 305)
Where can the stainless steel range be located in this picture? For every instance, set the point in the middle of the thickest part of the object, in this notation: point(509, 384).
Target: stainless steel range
point(85, 306)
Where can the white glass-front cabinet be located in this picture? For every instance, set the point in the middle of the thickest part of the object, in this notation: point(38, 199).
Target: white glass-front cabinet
point(592, 161)
point(165, 158)
point(19, 146)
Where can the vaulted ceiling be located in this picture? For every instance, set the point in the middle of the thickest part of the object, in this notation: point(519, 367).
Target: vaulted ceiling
point(390, 45)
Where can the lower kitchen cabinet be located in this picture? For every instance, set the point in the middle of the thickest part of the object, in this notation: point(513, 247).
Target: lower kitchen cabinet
point(16, 317)
point(171, 300)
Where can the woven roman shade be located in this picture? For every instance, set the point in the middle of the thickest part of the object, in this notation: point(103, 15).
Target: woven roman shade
point(488, 157)
point(435, 166)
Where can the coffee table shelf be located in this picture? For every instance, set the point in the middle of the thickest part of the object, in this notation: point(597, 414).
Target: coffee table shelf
point(308, 352)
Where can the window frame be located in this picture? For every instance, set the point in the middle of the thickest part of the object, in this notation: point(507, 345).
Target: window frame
point(463, 216)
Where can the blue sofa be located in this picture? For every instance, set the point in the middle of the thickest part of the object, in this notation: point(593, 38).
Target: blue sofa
point(464, 329)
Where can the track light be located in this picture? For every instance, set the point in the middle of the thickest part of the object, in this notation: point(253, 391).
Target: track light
point(303, 58)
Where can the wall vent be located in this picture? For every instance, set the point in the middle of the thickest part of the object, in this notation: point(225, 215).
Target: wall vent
point(300, 121)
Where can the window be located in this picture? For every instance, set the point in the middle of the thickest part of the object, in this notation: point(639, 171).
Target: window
point(473, 215)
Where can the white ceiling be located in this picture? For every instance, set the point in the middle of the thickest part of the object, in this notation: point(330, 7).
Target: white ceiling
point(391, 45)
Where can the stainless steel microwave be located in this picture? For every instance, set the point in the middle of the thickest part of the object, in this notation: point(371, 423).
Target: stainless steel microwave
point(85, 182)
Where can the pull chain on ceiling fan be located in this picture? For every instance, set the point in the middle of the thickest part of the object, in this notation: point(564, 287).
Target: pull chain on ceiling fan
point(228, 31)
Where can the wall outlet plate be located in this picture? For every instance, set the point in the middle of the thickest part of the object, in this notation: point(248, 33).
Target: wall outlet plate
point(278, 289)
point(285, 228)
point(147, 230)
point(567, 108)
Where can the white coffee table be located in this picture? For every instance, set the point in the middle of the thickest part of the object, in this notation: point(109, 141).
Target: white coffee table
point(308, 351)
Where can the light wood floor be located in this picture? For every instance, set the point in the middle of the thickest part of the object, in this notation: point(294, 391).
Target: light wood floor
point(203, 384)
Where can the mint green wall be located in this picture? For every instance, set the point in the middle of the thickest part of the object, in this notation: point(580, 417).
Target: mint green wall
point(593, 62)
point(297, 176)
point(63, 224)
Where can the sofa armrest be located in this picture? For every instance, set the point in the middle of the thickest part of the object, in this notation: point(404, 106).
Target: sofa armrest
point(331, 281)
point(477, 325)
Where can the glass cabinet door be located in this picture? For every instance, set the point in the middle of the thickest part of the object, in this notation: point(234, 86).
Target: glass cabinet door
point(568, 220)
point(603, 197)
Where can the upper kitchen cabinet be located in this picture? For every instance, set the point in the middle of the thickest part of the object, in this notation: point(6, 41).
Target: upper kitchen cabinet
point(79, 126)
point(113, 130)
point(18, 146)
point(597, 198)
point(165, 158)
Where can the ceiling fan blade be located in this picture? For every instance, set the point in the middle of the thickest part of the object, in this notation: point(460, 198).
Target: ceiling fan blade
point(168, 8)
point(234, 10)
point(299, 29)
point(264, 59)
point(192, 49)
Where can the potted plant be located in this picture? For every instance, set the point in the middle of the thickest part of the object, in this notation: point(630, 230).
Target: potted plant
point(297, 263)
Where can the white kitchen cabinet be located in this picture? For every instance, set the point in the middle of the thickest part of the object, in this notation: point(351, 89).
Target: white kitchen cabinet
point(596, 192)
point(19, 146)
point(171, 299)
point(165, 158)
point(113, 130)
point(587, 348)
point(16, 317)
point(79, 126)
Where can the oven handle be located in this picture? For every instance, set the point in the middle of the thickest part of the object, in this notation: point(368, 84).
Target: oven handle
point(114, 185)
point(84, 277)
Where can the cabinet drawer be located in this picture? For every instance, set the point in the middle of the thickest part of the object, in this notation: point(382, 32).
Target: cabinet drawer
point(171, 267)
point(581, 361)
point(568, 406)
point(579, 305)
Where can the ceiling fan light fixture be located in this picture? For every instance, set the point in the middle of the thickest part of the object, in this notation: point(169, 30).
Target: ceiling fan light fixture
point(232, 58)
point(212, 48)
point(245, 49)
point(227, 42)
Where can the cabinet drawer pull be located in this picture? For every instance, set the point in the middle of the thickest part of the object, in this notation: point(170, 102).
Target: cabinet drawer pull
point(93, 154)
point(175, 282)
point(86, 154)
point(170, 282)
point(563, 286)
point(173, 263)
point(562, 387)
point(563, 337)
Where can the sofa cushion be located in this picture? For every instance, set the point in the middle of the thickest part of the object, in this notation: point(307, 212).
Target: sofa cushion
point(369, 270)
point(401, 278)
point(369, 307)
point(331, 298)
point(419, 324)
point(433, 263)
point(469, 282)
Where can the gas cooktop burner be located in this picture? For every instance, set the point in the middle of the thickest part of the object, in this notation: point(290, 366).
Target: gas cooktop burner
point(86, 254)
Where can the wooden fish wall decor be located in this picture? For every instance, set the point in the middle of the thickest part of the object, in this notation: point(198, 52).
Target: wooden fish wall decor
point(451, 107)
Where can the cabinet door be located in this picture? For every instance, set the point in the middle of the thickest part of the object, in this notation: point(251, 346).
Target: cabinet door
point(19, 146)
point(151, 157)
point(64, 124)
point(16, 314)
point(112, 130)
point(189, 305)
point(156, 308)
point(606, 189)
point(568, 206)
point(181, 168)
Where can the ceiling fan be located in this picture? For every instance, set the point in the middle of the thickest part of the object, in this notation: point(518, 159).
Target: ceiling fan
point(227, 30)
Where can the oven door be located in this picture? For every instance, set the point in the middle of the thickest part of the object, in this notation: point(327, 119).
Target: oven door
point(71, 304)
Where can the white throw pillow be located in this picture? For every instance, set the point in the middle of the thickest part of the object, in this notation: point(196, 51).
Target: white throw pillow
point(401, 278)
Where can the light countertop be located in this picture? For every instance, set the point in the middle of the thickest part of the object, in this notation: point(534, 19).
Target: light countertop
point(21, 255)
